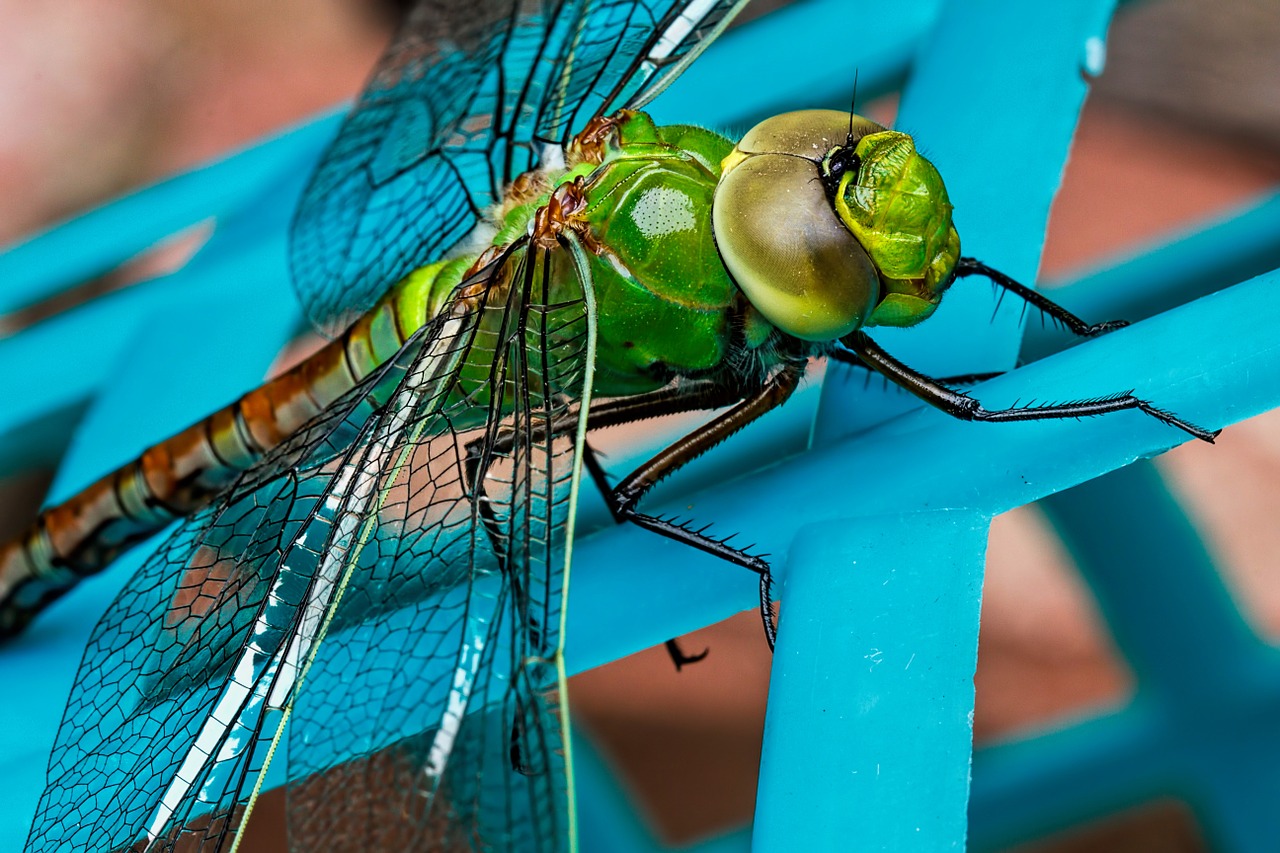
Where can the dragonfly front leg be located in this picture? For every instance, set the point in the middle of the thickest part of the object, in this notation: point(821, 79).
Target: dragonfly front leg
point(967, 408)
point(972, 266)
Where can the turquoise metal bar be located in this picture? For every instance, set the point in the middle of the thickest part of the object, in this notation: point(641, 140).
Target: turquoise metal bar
point(1196, 261)
point(80, 351)
point(607, 821)
point(813, 41)
point(1033, 787)
point(1170, 614)
point(102, 239)
point(607, 818)
point(870, 719)
point(1028, 95)
point(1207, 685)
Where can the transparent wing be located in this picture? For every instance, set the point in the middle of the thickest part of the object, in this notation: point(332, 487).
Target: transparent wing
point(447, 675)
point(190, 676)
point(458, 106)
point(623, 53)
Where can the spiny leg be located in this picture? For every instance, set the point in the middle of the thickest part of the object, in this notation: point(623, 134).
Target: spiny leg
point(624, 497)
point(694, 395)
point(849, 358)
point(972, 266)
point(967, 408)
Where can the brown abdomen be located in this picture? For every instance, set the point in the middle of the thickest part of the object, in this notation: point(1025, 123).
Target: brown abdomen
point(81, 536)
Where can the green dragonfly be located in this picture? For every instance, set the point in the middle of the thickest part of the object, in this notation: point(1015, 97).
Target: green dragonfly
point(368, 585)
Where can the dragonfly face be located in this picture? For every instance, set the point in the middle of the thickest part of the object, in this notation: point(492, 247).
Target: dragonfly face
point(830, 222)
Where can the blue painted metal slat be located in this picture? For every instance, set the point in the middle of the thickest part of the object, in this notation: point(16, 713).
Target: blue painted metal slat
point(869, 727)
point(1028, 96)
point(99, 240)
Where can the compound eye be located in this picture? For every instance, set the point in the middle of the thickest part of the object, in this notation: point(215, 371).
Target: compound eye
point(782, 242)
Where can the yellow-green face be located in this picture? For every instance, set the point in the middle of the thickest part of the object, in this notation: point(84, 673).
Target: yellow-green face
point(897, 206)
point(829, 223)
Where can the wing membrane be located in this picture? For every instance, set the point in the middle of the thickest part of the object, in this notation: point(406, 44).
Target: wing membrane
point(255, 607)
point(458, 106)
point(464, 676)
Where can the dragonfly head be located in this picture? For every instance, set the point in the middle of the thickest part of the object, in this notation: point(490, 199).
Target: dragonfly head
point(829, 222)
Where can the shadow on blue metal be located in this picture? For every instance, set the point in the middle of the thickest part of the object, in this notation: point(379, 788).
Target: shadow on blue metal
point(882, 590)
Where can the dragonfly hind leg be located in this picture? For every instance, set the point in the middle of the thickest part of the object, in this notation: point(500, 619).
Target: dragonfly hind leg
point(679, 658)
point(847, 357)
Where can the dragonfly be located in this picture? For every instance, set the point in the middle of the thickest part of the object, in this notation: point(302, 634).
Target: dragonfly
point(366, 585)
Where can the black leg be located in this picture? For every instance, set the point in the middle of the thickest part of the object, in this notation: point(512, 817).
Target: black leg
point(679, 658)
point(689, 396)
point(623, 498)
point(845, 357)
point(692, 395)
point(972, 266)
point(967, 408)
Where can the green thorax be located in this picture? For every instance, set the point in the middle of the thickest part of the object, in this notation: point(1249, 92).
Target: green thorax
point(665, 303)
point(664, 298)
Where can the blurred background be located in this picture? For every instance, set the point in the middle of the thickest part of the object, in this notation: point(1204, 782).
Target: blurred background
point(98, 96)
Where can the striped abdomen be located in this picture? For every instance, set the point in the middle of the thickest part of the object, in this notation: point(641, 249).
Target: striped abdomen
point(181, 474)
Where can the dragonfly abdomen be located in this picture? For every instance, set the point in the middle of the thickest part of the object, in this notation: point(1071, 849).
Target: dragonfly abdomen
point(177, 476)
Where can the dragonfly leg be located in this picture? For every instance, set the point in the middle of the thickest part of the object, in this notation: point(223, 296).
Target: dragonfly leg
point(972, 266)
point(678, 656)
point(690, 396)
point(967, 408)
point(598, 476)
point(694, 395)
point(624, 497)
point(845, 357)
